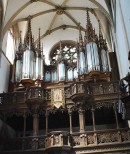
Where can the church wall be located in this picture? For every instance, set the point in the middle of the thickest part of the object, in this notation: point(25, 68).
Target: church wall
point(122, 43)
point(4, 73)
point(126, 16)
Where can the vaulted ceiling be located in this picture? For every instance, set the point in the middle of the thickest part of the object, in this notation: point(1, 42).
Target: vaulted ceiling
point(58, 19)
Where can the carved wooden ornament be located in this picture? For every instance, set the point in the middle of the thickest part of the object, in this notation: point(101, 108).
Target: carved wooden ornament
point(57, 97)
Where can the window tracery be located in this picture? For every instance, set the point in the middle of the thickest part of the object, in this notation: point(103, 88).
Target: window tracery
point(69, 54)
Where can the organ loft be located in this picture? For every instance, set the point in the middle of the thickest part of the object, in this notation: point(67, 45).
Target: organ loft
point(78, 104)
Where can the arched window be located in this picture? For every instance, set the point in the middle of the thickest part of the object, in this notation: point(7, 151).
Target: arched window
point(69, 56)
point(10, 48)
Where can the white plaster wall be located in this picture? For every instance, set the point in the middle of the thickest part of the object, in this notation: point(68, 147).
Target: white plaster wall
point(122, 44)
point(125, 7)
point(4, 73)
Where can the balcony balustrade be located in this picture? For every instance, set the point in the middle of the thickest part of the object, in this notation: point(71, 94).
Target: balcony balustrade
point(59, 139)
point(101, 137)
point(74, 89)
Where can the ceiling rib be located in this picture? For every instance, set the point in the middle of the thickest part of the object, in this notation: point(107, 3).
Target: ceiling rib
point(48, 11)
point(49, 3)
point(79, 8)
point(52, 22)
point(55, 16)
point(57, 28)
point(43, 12)
point(65, 1)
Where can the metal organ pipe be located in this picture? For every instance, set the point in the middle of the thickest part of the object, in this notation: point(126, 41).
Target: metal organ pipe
point(61, 71)
point(38, 68)
point(82, 63)
point(104, 60)
point(18, 70)
point(28, 64)
point(92, 57)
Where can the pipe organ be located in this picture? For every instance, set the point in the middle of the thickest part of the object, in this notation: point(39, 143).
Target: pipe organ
point(68, 63)
point(71, 104)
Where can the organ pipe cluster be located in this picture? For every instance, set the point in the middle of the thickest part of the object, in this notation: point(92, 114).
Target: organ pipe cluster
point(28, 59)
point(92, 52)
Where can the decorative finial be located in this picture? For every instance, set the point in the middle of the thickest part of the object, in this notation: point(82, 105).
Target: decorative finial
point(60, 45)
point(100, 32)
point(42, 48)
point(101, 40)
point(20, 49)
point(28, 39)
point(88, 19)
point(89, 34)
point(80, 36)
point(20, 42)
point(39, 43)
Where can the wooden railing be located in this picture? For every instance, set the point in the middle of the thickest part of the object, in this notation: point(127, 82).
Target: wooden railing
point(45, 94)
point(64, 139)
point(101, 137)
point(57, 138)
point(95, 88)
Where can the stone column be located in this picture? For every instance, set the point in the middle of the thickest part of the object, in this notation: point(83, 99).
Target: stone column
point(93, 118)
point(70, 119)
point(116, 116)
point(35, 124)
point(81, 120)
point(46, 122)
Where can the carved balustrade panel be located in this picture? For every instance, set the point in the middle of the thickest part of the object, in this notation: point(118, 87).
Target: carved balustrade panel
point(77, 88)
point(76, 140)
point(107, 137)
point(103, 88)
point(101, 137)
point(83, 139)
point(94, 88)
point(90, 139)
point(36, 92)
point(125, 136)
point(57, 139)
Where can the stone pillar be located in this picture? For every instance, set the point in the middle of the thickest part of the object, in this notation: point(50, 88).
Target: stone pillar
point(116, 116)
point(81, 120)
point(46, 122)
point(35, 124)
point(93, 118)
point(70, 119)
